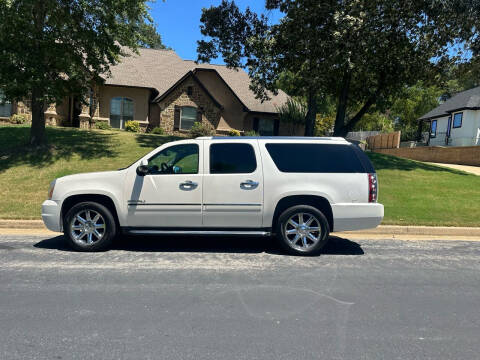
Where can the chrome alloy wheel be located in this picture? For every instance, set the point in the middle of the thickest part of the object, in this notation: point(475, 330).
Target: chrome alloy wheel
point(303, 231)
point(87, 227)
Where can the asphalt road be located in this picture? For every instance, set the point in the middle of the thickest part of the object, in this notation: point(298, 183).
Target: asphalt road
point(197, 298)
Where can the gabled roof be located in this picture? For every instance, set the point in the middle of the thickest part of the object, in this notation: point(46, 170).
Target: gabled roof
point(162, 69)
point(181, 80)
point(465, 100)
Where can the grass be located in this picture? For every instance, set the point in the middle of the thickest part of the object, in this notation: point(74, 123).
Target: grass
point(413, 193)
point(416, 193)
point(26, 173)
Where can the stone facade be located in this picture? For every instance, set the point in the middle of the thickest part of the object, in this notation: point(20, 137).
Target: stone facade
point(197, 98)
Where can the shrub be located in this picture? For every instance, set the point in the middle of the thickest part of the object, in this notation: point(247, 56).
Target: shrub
point(133, 126)
point(158, 130)
point(233, 132)
point(293, 114)
point(250, 133)
point(102, 125)
point(201, 129)
point(18, 119)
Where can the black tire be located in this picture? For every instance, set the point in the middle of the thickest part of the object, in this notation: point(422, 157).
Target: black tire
point(71, 222)
point(287, 241)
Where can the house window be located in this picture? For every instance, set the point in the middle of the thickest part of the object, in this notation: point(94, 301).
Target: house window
point(5, 106)
point(266, 127)
point(433, 129)
point(457, 120)
point(188, 116)
point(121, 110)
point(189, 90)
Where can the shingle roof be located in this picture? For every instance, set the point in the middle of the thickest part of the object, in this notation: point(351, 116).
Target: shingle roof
point(161, 69)
point(469, 99)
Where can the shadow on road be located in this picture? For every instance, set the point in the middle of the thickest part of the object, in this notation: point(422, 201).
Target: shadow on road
point(200, 244)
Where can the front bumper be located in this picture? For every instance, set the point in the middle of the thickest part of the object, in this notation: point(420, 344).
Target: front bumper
point(356, 216)
point(51, 215)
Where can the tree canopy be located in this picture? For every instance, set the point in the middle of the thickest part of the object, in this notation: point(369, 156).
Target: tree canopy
point(360, 52)
point(53, 48)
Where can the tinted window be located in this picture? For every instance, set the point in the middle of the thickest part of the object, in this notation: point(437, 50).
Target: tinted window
point(232, 159)
point(367, 164)
point(315, 158)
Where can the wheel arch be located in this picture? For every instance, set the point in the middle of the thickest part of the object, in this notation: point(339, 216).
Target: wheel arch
point(102, 199)
point(318, 202)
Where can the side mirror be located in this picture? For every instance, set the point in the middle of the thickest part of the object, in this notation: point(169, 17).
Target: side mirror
point(142, 169)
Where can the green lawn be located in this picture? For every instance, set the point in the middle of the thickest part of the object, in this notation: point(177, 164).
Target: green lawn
point(413, 193)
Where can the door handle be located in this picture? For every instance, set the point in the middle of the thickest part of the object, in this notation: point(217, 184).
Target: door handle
point(248, 184)
point(188, 185)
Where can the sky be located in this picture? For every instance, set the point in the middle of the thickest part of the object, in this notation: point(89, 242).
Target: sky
point(178, 22)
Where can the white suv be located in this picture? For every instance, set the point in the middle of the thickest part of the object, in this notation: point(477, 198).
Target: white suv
point(297, 188)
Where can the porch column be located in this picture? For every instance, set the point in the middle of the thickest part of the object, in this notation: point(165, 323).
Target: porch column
point(51, 116)
point(84, 116)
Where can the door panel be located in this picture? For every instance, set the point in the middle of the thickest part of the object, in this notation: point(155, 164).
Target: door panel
point(230, 199)
point(164, 198)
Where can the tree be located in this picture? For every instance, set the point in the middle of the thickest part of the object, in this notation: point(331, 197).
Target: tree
point(360, 52)
point(53, 48)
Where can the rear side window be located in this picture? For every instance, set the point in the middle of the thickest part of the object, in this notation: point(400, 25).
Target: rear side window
point(232, 159)
point(315, 158)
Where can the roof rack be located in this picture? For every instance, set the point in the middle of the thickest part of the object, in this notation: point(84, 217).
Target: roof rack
point(332, 138)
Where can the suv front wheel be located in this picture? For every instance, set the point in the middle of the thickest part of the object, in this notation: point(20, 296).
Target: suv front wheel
point(302, 230)
point(89, 226)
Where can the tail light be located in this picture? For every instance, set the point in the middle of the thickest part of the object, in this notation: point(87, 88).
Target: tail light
point(372, 188)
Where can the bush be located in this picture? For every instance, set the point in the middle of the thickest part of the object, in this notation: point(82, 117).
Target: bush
point(250, 133)
point(201, 129)
point(18, 119)
point(102, 125)
point(233, 132)
point(293, 114)
point(133, 126)
point(158, 130)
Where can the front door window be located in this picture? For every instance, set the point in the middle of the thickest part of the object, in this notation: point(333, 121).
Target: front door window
point(177, 159)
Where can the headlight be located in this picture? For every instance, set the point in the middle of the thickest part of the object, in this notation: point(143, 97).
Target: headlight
point(50, 191)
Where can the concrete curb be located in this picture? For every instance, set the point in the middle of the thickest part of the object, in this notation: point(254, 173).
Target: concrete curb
point(21, 224)
point(420, 230)
point(381, 230)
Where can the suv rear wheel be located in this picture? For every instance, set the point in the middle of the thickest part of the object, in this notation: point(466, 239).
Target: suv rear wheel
point(89, 226)
point(302, 230)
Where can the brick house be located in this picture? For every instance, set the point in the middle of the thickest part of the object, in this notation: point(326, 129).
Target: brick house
point(158, 88)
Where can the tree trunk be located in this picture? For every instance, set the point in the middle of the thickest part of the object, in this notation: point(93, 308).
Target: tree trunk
point(350, 125)
point(37, 131)
point(311, 113)
point(338, 129)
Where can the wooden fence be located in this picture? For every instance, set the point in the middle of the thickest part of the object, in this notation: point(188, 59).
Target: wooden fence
point(384, 141)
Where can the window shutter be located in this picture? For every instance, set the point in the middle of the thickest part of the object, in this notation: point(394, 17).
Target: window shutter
point(276, 126)
point(255, 124)
point(176, 118)
point(199, 116)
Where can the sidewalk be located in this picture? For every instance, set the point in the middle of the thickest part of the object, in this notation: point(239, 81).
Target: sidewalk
point(381, 232)
point(470, 169)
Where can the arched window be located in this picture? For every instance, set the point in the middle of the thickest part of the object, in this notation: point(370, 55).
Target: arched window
point(5, 106)
point(121, 110)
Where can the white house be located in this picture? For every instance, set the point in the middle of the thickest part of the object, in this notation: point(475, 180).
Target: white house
point(456, 122)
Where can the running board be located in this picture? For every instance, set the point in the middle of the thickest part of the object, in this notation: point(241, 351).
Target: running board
point(198, 232)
